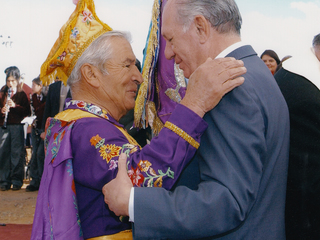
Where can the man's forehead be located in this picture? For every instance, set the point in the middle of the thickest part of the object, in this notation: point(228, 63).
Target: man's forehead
point(167, 18)
point(122, 60)
point(122, 51)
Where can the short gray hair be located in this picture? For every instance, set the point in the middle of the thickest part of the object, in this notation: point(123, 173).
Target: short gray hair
point(224, 15)
point(316, 40)
point(97, 54)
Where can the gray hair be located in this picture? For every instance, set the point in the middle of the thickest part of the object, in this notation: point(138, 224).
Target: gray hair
point(96, 54)
point(316, 40)
point(224, 15)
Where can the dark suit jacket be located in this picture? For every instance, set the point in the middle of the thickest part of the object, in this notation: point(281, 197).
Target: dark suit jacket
point(53, 101)
point(243, 160)
point(303, 188)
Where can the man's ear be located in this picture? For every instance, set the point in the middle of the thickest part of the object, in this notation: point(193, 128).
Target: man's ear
point(203, 28)
point(90, 75)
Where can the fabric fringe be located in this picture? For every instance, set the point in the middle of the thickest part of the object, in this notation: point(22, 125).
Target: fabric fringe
point(143, 105)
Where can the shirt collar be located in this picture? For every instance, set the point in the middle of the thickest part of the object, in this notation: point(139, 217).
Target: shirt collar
point(230, 49)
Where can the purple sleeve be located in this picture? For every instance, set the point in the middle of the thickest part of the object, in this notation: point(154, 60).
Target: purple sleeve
point(97, 144)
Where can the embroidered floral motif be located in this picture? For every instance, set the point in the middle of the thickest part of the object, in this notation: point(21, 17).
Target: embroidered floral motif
point(136, 177)
point(158, 182)
point(49, 124)
point(153, 179)
point(109, 151)
point(77, 214)
point(97, 141)
point(54, 152)
point(87, 17)
point(62, 56)
point(89, 107)
point(74, 32)
point(55, 65)
point(57, 137)
point(57, 141)
point(129, 149)
point(144, 165)
point(69, 168)
point(113, 165)
point(81, 104)
point(106, 151)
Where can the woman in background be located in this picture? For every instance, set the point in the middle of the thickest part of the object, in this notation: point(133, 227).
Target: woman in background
point(14, 107)
point(271, 59)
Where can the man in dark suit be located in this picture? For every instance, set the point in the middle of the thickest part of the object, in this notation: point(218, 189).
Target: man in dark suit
point(300, 88)
point(56, 97)
point(243, 155)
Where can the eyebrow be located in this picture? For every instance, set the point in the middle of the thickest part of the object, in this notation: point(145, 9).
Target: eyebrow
point(129, 60)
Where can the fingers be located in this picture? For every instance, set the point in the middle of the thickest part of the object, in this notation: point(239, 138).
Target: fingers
point(117, 191)
point(211, 81)
point(234, 72)
point(232, 66)
point(4, 110)
point(233, 83)
point(10, 102)
point(122, 164)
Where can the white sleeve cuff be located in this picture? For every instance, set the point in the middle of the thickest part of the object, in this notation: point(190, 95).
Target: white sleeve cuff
point(131, 205)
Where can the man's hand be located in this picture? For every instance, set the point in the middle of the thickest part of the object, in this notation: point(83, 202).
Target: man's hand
point(117, 192)
point(211, 81)
point(43, 135)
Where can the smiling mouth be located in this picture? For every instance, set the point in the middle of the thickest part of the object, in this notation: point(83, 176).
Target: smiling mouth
point(133, 91)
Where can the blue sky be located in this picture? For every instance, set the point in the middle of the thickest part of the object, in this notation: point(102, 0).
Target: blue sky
point(285, 26)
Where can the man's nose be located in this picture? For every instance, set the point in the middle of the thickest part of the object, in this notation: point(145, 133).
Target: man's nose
point(168, 51)
point(137, 76)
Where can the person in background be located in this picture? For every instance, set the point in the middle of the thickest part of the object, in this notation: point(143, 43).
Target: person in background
point(27, 129)
point(14, 106)
point(55, 101)
point(243, 156)
point(316, 46)
point(271, 59)
point(299, 82)
point(37, 103)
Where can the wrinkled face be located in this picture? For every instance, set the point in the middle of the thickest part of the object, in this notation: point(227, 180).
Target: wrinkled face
point(270, 62)
point(180, 46)
point(36, 88)
point(12, 82)
point(121, 83)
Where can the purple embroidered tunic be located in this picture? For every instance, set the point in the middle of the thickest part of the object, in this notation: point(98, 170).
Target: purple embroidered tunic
point(81, 156)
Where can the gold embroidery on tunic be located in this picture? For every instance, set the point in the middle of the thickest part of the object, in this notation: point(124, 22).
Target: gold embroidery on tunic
point(182, 134)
